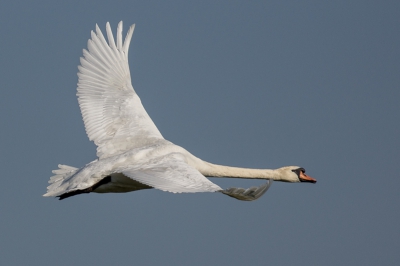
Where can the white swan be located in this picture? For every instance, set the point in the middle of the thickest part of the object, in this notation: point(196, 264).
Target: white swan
point(132, 153)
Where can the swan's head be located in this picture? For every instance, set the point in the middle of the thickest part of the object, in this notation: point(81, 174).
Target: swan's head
point(294, 174)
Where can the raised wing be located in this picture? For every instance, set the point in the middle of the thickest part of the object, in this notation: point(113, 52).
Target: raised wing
point(114, 116)
point(170, 173)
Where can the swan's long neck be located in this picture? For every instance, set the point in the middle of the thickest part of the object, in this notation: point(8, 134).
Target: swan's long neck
point(215, 170)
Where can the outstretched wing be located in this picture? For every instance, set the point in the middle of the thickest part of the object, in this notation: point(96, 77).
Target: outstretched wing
point(170, 173)
point(114, 116)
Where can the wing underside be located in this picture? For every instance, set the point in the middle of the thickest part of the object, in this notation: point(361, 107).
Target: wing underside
point(249, 194)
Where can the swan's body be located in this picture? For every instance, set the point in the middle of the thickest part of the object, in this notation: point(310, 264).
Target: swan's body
point(132, 153)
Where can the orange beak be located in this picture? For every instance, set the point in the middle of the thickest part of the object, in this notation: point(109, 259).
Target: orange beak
point(305, 178)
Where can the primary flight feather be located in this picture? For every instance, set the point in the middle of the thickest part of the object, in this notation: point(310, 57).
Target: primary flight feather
point(132, 153)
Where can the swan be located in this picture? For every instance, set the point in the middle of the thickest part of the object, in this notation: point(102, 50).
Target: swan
point(132, 153)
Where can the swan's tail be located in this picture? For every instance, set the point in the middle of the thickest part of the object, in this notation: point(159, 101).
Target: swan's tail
point(64, 172)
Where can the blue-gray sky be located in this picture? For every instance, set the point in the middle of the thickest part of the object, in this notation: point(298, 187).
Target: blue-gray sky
point(259, 84)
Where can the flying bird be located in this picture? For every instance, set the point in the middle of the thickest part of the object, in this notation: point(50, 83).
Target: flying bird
point(132, 153)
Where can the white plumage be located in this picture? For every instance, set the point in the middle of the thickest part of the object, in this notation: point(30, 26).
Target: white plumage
point(132, 152)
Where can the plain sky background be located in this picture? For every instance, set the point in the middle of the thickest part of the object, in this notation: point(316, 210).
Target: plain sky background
point(259, 84)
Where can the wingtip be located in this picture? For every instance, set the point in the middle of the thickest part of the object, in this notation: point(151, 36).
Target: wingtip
point(249, 194)
point(128, 38)
point(110, 36)
point(98, 30)
point(119, 35)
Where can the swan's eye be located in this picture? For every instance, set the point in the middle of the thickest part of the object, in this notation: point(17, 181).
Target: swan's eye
point(303, 177)
point(298, 171)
